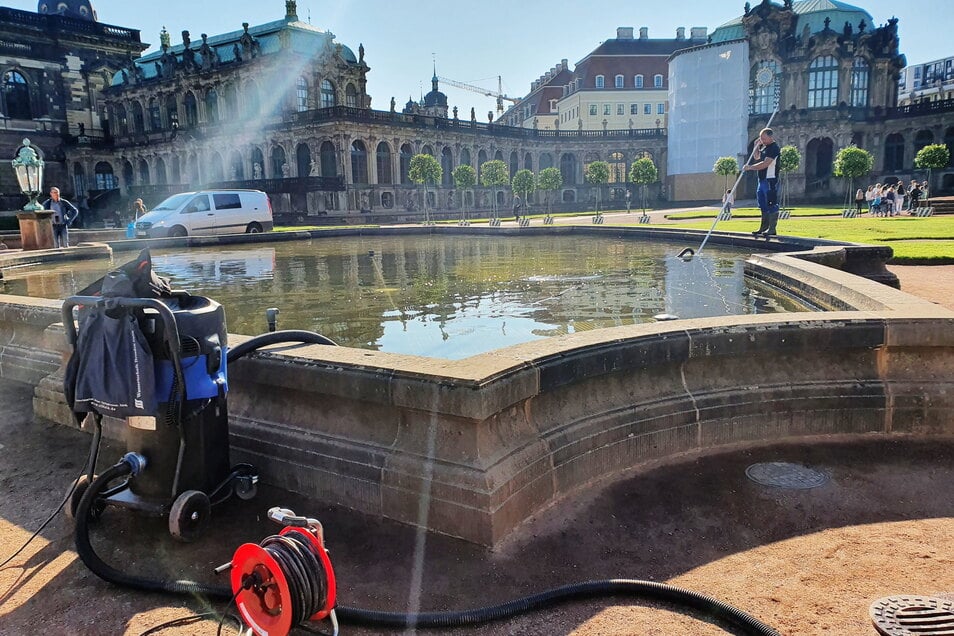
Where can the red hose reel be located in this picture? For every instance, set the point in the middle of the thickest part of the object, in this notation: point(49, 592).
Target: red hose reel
point(285, 580)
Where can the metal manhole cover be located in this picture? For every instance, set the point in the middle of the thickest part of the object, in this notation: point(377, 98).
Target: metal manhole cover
point(785, 475)
point(908, 615)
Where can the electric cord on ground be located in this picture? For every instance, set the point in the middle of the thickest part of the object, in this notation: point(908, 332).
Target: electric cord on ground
point(183, 621)
point(42, 526)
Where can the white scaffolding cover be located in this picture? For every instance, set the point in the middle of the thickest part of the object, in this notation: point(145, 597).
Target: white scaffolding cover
point(708, 106)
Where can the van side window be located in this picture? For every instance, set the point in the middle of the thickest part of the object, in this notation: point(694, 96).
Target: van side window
point(227, 201)
point(198, 204)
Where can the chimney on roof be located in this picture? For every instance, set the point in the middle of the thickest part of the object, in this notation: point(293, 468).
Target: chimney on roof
point(681, 33)
point(624, 33)
point(698, 33)
point(643, 33)
point(563, 64)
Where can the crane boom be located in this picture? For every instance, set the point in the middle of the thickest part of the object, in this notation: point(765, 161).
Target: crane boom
point(498, 94)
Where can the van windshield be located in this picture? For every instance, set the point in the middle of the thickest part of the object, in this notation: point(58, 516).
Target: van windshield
point(174, 202)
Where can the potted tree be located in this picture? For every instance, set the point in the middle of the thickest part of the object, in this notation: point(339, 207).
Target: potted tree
point(424, 170)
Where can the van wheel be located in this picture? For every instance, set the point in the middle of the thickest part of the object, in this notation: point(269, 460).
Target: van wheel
point(178, 231)
point(253, 228)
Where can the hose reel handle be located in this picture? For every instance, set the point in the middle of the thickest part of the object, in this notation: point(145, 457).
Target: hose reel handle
point(288, 518)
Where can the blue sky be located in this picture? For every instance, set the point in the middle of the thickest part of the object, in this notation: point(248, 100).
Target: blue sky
point(476, 41)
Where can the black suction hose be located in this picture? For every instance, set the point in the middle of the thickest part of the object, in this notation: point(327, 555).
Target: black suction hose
point(709, 606)
point(277, 337)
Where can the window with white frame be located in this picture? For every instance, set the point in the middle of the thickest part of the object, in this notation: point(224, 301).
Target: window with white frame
point(607, 109)
point(593, 109)
point(859, 82)
point(638, 83)
point(661, 109)
point(600, 81)
point(618, 82)
point(634, 109)
point(647, 109)
point(620, 109)
point(657, 81)
point(823, 82)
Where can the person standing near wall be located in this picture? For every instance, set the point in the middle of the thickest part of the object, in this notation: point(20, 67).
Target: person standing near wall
point(64, 213)
point(766, 163)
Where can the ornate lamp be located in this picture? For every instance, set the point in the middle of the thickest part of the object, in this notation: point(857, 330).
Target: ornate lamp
point(28, 166)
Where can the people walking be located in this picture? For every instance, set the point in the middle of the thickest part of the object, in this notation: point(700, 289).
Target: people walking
point(64, 213)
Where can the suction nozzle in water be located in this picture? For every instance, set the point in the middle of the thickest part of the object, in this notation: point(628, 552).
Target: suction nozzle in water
point(686, 254)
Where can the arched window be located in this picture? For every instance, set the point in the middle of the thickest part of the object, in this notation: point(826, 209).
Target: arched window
point(383, 161)
point(528, 162)
point(122, 121)
point(155, 114)
point(657, 81)
point(427, 150)
point(329, 164)
point(514, 163)
point(229, 102)
point(212, 106)
point(922, 139)
point(949, 142)
point(16, 96)
point(172, 111)
point(105, 179)
point(143, 173)
point(214, 166)
point(894, 152)
point(600, 81)
point(763, 93)
point(618, 82)
point(823, 82)
point(464, 157)
point(236, 167)
point(258, 163)
point(138, 119)
point(327, 94)
point(160, 171)
point(359, 162)
point(447, 165)
point(638, 81)
point(191, 110)
point(617, 166)
point(127, 175)
point(405, 162)
point(481, 160)
point(351, 96)
point(859, 83)
point(176, 170)
point(568, 168)
point(278, 162)
point(546, 161)
point(252, 100)
point(79, 178)
point(303, 160)
point(301, 94)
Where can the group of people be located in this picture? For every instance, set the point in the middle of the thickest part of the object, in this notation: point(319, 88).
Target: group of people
point(891, 200)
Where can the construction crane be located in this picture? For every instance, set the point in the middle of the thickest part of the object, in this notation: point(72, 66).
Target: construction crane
point(484, 91)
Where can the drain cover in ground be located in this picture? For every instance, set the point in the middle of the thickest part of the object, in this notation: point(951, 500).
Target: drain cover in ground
point(785, 475)
point(907, 615)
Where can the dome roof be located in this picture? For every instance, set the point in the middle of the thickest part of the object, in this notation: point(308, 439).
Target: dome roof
point(810, 12)
point(82, 9)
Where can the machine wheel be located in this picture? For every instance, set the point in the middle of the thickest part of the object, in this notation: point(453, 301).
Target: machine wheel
point(253, 228)
point(245, 487)
point(79, 486)
point(177, 231)
point(189, 515)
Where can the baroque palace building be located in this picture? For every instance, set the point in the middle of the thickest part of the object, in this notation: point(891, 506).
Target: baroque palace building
point(284, 108)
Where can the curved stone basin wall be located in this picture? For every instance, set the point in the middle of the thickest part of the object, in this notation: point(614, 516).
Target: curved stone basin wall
point(473, 447)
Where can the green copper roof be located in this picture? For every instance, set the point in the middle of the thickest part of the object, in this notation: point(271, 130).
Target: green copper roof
point(810, 12)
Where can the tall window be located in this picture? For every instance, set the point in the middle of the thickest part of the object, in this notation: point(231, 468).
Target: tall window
point(351, 96)
point(657, 81)
point(762, 93)
point(105, 179)
point(661, 109)
point(191, 110)
point(329, 165)
point(593, 108)
point(16, 96)
point(823, 82)
point(172, 111)
point(122, 121)
point(647, 109)
point(155, 114)
point(212, 106)
point(607, 109)
point(859, 82)
point(327, 94)
point(384, 163)
point(617, 166)
point(138, 126)
point(894, 152)
point(303, 160)
point(405, 159)
point(600, 81)
point(638, 83)
point(301, 94)
point(619, 81)
point(359, 162)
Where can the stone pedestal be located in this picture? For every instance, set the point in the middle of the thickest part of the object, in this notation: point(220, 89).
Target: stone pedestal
point(36, 230)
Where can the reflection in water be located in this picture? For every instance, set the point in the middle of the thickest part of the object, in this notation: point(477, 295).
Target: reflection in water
point(443, 297)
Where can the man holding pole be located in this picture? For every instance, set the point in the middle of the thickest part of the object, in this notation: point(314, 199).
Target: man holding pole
point(765, 160)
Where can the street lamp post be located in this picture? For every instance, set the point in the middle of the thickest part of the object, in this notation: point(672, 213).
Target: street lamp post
point(28, 167)
point(36, 228)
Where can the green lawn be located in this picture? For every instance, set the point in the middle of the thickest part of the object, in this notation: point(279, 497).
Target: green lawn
point(913, 239)
point(749, 213)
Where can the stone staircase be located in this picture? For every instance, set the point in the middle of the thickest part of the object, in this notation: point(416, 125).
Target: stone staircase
point(942, 205)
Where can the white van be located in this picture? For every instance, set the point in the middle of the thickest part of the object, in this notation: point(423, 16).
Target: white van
point(208, 212)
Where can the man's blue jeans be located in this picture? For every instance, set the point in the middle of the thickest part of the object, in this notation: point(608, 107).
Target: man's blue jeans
point(767, 196)
point(61, 235)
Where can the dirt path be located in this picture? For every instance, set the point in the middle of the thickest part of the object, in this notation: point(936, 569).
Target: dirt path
point(804, 561)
